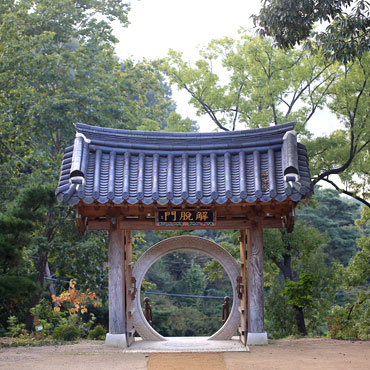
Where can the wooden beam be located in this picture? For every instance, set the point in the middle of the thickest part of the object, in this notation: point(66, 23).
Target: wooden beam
point(272, 223)
point(288, 221)
point(96, 210)
point(98, 225)
point(149, 224)
point(81, 223)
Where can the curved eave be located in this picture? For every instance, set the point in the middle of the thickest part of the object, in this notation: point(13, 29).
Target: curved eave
point(75, 199)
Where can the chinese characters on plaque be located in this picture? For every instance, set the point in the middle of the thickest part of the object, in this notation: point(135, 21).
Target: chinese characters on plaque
point(186, 217)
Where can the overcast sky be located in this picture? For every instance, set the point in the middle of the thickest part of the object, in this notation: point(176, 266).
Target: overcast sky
point(160, 25)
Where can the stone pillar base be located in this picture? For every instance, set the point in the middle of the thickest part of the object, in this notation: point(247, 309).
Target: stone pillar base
point(256, 339)
point(116, 340)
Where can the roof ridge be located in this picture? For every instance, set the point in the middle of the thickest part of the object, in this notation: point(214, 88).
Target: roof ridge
point(277, 129)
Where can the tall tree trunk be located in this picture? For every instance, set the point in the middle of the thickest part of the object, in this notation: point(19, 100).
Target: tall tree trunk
point(300, 320)
point(285, 267)
point(51, 285)
point(41, 267)
point(36, 297)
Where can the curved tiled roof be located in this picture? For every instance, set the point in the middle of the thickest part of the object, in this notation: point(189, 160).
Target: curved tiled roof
point(107, 164)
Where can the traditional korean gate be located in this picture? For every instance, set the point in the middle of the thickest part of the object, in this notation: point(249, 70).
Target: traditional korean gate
point(120, 180)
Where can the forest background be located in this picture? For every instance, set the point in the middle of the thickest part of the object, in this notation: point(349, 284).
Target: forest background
point(58, 66)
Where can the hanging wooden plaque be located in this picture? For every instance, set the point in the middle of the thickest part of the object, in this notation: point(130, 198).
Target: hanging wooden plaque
point(186, 217)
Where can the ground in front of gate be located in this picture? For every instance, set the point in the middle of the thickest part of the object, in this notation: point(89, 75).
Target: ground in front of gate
point(287, 354)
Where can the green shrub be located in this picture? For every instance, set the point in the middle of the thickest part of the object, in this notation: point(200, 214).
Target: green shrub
point(98, 333)
point(15, 328)
point(46, 316)
point(279, 315)
point(65, 332)
point(15, 295)
point(351, 321)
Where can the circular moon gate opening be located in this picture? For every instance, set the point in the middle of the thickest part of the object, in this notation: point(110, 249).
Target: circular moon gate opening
point(166, 246)
point(185, 300)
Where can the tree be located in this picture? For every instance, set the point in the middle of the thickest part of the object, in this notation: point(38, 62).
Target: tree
point(66, 73)
point(58, 67)
point(82, 259)
point(175, 123)
point(336, 217)
point(345, 37)
point(301, 275)
point(346, 152)
point(23, 217)
point(309, 262)
point(300, 294)
point(262, 85)
point(194, 280)
point(351, 320)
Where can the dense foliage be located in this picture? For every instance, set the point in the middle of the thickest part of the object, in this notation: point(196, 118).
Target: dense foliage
point(58, 67)
point(346, 33)
point(256, 84)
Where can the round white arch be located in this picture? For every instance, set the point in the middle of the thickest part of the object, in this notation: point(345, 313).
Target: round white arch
point(187, 242)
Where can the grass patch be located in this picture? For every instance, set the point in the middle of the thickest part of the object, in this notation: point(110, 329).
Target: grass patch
point(31, 342)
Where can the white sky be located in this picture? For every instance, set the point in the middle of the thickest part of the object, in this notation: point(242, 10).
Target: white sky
point(160, 25)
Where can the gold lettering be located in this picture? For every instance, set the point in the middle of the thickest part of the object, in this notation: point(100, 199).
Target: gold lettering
point(186, 216)
point(202, 216)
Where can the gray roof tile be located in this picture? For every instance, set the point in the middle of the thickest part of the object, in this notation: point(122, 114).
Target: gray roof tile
point(136, 166)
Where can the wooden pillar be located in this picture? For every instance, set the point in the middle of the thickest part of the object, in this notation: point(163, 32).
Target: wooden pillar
point(130, 289)
point(256, 333)
point(117, 316)
point(243, 288)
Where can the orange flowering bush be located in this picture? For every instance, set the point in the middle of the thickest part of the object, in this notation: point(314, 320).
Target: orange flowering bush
point(74, 300)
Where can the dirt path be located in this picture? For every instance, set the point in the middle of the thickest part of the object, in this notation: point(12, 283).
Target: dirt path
point(293, 354)
point(186, 361)
point(302, 354)
point(87, 355)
